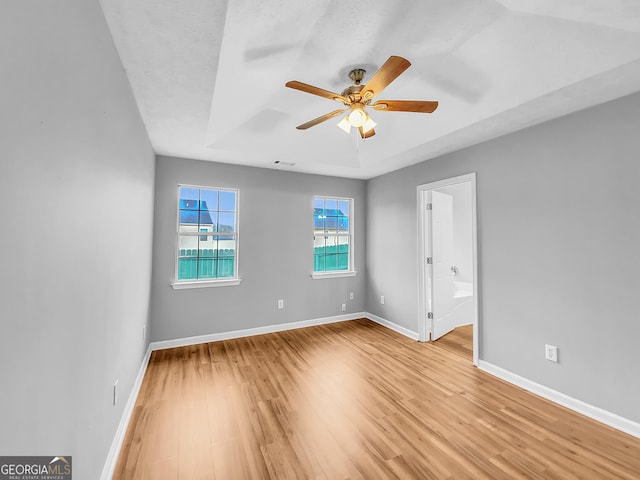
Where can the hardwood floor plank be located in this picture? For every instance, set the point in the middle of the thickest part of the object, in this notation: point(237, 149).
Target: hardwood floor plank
point(459, 341)
point(194, 455)
point(354, 400)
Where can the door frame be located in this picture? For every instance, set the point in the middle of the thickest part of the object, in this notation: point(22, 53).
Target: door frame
point(425, 290)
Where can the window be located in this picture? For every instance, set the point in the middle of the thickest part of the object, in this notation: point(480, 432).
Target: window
point(207, 246)
point(332, 237)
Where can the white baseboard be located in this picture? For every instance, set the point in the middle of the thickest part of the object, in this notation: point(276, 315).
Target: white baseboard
point(116, 445)
point(595, 413)
point(393, 326)
point(249, 332)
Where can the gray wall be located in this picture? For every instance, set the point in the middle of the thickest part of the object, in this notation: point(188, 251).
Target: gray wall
point(558, 237)
point(76, 193)
point(275, 251)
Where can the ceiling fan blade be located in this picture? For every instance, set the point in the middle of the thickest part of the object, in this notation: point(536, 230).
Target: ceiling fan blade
point(303, 87)
point(388, 72)
point(318, 120)
point(417, 106)
point(369, 133)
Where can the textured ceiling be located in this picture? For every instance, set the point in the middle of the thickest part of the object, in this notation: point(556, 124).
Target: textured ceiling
point(208, 76)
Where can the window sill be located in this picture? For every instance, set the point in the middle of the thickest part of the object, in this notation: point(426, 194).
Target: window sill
point(206, 283)
point(336, 274)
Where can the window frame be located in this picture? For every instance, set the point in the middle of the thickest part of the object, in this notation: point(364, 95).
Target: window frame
point(351, 271)
point(177, 284)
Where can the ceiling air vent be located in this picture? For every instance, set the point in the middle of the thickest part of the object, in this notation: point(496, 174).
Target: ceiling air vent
point(286, 164)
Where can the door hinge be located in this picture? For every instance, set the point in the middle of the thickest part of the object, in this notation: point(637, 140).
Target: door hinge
point(430, 315)
point(429, 260)
point(429, 206)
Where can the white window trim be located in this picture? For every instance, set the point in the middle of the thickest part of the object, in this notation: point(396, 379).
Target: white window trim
point(206, 282)
point(334, 274)
point(351, 272)
point(186, 284)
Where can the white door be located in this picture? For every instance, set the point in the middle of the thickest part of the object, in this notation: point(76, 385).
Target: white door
point(442, 252)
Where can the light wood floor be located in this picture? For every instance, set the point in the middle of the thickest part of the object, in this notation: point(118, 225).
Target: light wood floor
point(459, 341)
point(353, 400)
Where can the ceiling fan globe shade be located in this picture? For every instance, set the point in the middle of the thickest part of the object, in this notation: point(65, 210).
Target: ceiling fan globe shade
point(344, 125)
point(357, 118)
point(368, 124)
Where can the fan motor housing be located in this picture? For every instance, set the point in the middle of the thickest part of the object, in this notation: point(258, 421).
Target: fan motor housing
point(352, 92)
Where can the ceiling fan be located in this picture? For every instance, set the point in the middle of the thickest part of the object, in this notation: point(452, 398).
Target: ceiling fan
point(357, 97)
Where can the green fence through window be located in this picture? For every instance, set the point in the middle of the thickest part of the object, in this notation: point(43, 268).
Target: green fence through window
point(206, 263)
point(209, 263)
point(327, 259)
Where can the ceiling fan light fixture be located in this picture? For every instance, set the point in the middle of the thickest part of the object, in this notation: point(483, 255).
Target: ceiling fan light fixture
point(344, 124)
point(357, 117)
point(368, 125)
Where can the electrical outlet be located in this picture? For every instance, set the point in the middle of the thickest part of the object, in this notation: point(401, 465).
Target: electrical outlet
point(551, 353)
point(344, 307)
point(350, 295)
point(115, 392)
point(280, 304)
point(382, 299)
point(144, 333)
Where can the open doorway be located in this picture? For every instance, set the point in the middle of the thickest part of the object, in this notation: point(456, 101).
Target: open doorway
point(448, 261)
